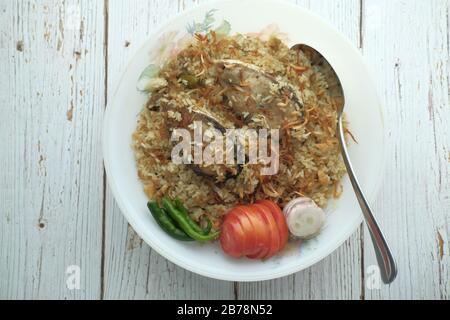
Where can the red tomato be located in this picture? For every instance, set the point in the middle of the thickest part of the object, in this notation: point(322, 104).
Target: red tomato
point(265, 232)
point(251, 241)
point(279, 219)
point(256, 231)
point(273, 229)
point(232, 237)
point(262, 243)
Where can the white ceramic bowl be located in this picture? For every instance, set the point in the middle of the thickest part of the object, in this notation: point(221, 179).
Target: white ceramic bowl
point(362, 108)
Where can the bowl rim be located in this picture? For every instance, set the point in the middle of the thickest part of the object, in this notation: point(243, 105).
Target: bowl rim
point(172, 257)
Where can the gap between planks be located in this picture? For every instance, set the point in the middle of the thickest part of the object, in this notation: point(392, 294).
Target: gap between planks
point(105, 53)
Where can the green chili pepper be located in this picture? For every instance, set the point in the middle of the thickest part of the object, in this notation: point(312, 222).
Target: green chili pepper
point(189, 80)
point(166, 223)
point(180, 207)
point(182, 221)
point(208, 227)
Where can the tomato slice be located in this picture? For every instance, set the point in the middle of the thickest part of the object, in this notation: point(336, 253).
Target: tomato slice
point(232, 237)
point(262, 232)
point(257, 231)
point(272, 228)
point(250, 242)
point(280, 219)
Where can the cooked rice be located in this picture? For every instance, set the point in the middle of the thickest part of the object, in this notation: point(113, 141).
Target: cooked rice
point(310, 162)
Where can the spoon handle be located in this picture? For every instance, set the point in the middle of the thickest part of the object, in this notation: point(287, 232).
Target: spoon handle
point(386, 261)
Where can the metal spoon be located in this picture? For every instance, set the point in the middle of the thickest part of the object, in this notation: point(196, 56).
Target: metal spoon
point(384, 256)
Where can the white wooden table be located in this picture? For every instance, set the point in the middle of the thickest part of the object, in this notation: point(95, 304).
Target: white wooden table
point(59, 63)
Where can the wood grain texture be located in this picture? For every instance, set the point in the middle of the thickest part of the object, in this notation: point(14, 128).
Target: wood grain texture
point(406, 45)
point(51, 71)
point(132, 269)
point(62, 59)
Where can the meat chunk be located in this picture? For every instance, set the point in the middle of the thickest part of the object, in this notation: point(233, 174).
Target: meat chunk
point(251, 91)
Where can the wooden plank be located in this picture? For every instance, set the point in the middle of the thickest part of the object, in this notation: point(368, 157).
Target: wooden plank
point(51, 107)
point(339, 275)
point(407, 47)
point(132, 269)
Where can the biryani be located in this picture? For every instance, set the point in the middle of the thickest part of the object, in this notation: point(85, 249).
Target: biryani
point(282, 90)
